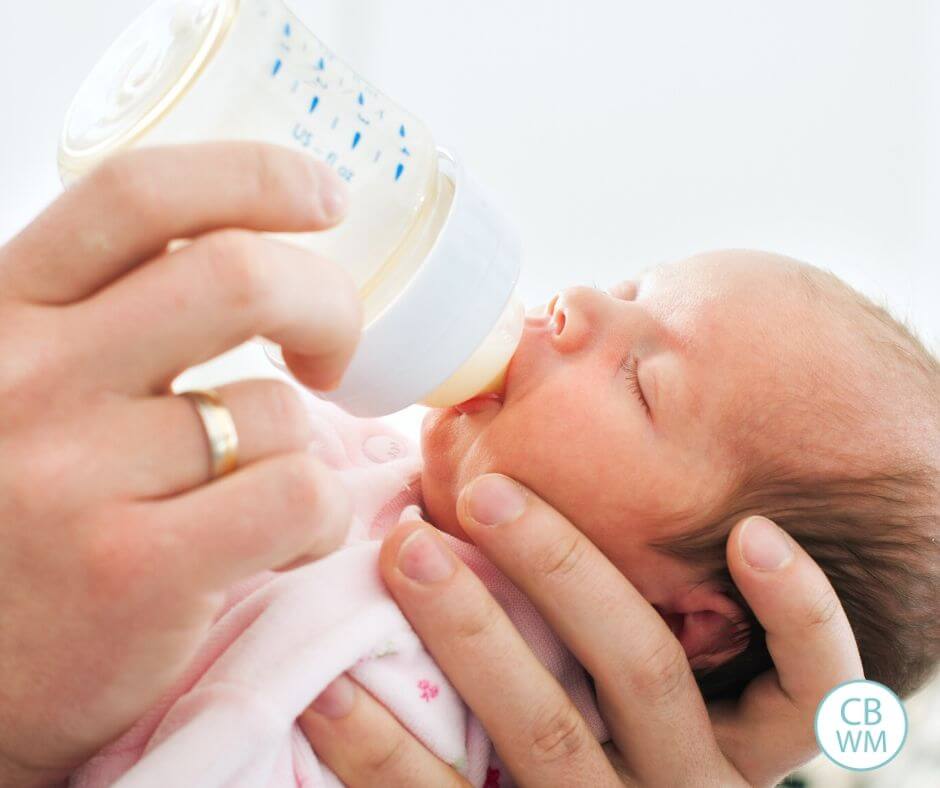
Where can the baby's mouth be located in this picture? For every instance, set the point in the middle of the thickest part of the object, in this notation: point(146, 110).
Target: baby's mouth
point(479, 403)
point(551, 319)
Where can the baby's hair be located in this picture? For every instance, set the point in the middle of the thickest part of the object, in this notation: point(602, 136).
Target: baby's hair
point(875, 532)
point(875, 538)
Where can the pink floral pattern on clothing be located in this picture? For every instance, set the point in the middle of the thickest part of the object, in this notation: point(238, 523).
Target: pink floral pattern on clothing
point(428, 690)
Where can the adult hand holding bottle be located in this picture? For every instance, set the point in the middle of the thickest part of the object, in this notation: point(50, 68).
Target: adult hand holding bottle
point(116, 539)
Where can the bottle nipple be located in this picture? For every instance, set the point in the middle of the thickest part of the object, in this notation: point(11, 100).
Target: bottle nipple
point(485, 371)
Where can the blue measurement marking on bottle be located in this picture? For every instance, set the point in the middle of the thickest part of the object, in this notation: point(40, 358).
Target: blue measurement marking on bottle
point(313, 103)
point(361, 99)
point(277, 67)
point(287, 29)
point(335, 121)
point(401, 130)
point(399, 170)
point(378, 153)
point(406, 151)
point(303, 135)
point(356, 137)
point(320, 64)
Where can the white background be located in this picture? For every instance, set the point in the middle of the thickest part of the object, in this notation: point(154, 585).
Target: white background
point(616, 133)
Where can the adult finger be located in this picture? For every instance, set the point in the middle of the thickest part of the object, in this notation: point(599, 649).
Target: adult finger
point(128, 208)
point(224, 288)
point(540, 735)
point(161, 446)
point(363, 744)
point(269, 515)
point(810, 641)
point(649, 698)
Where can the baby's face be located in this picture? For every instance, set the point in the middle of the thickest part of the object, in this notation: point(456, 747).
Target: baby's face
point(634, 410)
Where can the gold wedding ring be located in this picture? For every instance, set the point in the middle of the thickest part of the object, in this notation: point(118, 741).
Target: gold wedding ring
point(219, 427)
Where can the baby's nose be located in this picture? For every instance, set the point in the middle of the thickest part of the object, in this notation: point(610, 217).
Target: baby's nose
point(574, 317)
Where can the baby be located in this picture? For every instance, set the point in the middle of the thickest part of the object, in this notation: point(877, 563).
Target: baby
point(654, 416)
point(657, 415)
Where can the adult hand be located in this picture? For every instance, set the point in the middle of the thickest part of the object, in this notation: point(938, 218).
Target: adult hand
point(661, 729)
point(114, 545)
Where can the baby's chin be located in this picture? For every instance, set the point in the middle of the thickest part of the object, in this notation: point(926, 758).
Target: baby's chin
point(440, 471)
point(439, 503)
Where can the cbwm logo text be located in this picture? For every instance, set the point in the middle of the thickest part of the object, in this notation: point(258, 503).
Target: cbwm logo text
point(861, 725)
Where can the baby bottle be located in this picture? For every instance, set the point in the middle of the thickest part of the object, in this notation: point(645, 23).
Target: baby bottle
point(435, 263)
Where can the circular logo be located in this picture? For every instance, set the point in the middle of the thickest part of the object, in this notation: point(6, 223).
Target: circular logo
point(861, 725)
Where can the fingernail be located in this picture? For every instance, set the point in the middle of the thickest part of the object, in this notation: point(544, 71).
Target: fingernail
point(423, 557)
point(336, 700)
point(494, 500)
point(410, 512)
point(334, 198)
point(763, 545)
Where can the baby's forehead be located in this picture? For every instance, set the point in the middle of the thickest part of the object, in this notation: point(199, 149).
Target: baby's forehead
point(717, 297)
point(734, 274)
point(772, 298)
point(774, 343)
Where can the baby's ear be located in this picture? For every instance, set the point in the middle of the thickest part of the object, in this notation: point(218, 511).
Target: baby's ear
point(711, 626)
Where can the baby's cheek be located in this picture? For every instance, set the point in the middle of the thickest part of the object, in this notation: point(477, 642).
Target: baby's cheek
point(549, 451)
point(557, 413)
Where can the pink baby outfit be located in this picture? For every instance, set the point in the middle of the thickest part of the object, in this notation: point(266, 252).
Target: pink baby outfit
point(281, 638)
